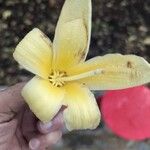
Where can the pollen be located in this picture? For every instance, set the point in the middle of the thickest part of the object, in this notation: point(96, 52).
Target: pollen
point(55, 78)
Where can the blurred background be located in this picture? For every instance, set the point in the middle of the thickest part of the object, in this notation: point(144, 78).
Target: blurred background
point(119, 26)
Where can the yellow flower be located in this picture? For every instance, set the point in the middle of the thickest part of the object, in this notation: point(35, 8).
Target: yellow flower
point(62, 75)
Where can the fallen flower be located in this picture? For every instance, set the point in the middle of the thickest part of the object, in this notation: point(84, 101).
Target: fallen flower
point(126, 112)
point(63, 76)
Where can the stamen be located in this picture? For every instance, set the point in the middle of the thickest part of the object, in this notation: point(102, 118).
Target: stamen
point(55, 78)
point(83, 75)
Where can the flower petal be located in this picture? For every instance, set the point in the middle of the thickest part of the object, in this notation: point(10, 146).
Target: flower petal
point(43, 99)
point(82, 111)
point(34, 53)
point(72, 37)
point(118, 72)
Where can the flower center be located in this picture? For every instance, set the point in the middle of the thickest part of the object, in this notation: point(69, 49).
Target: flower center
point(58, 78)
point(55, 78)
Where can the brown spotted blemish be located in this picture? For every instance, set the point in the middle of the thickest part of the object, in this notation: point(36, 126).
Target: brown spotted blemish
point(129, 64)
point(103, 72)
point(80, 55)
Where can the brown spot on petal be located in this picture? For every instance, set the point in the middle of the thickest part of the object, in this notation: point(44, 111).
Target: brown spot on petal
point(129, 64)
point(80, 55)
point(82, 52)
point(103, 72)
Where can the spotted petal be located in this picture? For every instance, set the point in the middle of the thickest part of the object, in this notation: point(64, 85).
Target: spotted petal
point(73, 31)
point(118, 72)
point(34, 53)
point(43, 99)
point(82, 111)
